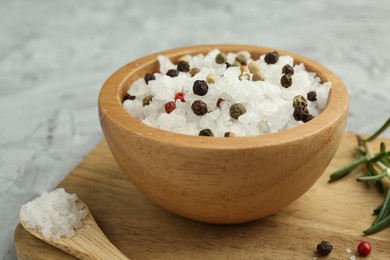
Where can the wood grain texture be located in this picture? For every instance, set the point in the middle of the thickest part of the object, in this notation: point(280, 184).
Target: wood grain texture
point(89, 242)
point(220, 180)
point(337, 212)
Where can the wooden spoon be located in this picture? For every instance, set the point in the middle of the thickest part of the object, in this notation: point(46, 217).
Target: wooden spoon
point(89, 241)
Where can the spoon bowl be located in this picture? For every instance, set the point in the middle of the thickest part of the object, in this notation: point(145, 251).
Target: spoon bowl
point(89, 241)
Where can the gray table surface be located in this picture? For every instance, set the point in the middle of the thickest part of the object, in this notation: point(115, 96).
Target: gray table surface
point(55, 55)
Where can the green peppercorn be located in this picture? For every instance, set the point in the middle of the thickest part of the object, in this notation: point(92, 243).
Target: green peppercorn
point(183, 66)
point(236, 64)
point(299, 101)
point(206, 132)
point(211, 78)
point(286, 81)
point(221, 58)
point(324, 248)
point(148, 77)
point(146, 101)
point(312, 96)
point(128, 96)
point(245, 76)
point(241, 58)
point(271, 57)
point(199, 107)
point(172, 73)
point(230, 134)
point(254, 67)
point(258, 76)
point(244, 69)
point(287, 69)
point(200, 87)
point(194, 71)
point(237, 110)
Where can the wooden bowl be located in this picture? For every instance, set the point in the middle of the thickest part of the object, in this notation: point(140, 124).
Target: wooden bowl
point(220, 180)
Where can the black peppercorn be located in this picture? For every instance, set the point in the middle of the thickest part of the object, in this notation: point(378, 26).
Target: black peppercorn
point(206, 132)
point(148, 77)
point(228, 65)
point(237, 110)
point(286, 81)
point(287, 69)
point(301, 113)
point(307, 118)
point(172, 73)
point(128, 96)
point(183, 66)
point(324, 248)
point(200, 87)
point(271, 57)
point(199, 107)
point(229, 134)
point(312, 96)
point(146, 101)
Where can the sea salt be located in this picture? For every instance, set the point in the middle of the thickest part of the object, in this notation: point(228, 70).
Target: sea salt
point(268, 105)
point(55, 214)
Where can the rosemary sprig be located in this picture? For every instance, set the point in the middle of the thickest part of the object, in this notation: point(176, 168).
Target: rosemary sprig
point(378, 168)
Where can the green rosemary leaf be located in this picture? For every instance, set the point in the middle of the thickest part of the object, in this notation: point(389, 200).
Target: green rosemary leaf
point(377, 209)
point(378, 157)
point(340, 173)
point(380, 130)
point(383, 147)
point(372, 172)
point(385, 211)
point(385, 222)
point(372, 178)
point(359, 152)
point(386, 162)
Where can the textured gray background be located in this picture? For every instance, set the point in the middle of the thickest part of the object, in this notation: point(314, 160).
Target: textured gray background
point(55, 55)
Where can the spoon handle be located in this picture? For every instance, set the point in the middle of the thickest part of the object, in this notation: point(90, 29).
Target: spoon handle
point(90, 243)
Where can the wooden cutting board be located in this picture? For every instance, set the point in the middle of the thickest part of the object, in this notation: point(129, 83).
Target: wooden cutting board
point(336, 212)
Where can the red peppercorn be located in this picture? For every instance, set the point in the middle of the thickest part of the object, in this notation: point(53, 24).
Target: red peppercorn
point(170, 106)
point(219, 102)
point(364, 248)
point(180, 95)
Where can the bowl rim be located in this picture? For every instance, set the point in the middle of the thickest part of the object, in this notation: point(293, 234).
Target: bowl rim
point(110, 103)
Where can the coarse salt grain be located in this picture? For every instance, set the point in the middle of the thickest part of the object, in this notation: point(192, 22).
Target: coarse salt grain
point(267, 103)
point(348, 250)
point(55, 214)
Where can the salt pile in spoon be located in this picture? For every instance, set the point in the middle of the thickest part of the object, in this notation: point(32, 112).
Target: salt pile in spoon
point(54, 214)
point(266, 105)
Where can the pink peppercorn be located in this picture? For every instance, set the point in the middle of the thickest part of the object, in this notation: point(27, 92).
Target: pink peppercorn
point(180, 95)
point(170, 106)
point(364, 248)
